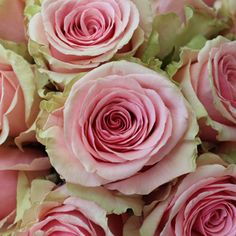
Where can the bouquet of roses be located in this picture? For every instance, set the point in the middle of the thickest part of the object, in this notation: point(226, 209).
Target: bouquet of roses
point(118, 117)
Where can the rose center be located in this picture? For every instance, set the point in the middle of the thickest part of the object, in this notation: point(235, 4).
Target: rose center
point(216, 218)
point(118, 119)
point(91, 22)
point(88, 25)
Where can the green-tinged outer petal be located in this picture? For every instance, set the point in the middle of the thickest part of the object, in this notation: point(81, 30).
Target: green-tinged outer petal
point(136, 41)
point(36, 51)
point(27, 82)
point(152, 221)
point(94, 213)
point(112, 201)
point(210, 159)
point(23, 196)
point(58, 77)
point(39, 190)
point(37, 195)
point(18, 48)
point(187, 89)
point(162, 194)
point(26, 136)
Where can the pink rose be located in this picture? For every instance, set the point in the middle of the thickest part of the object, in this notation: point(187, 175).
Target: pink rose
point(18, 95)
point(168, 6)
point(12, 162)
point(12, 20)
point(203, 203)
point(208, 82)
point(122, 126)
point(80, 35)
point(57, 213)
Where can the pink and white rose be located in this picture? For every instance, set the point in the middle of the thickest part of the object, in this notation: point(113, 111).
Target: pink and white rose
point(12, 162)
point(122, 126)
point(57, 213)
point(203, 203)
point(208, 82)
point(77, 35)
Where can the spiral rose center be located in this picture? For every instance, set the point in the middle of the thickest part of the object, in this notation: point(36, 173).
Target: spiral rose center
point(90, 23)
point(84, 25)
point(216, 219)
point(117, 120)
point(117, 123)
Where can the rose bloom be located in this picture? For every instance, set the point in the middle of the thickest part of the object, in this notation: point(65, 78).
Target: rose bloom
point(18, 95)
point(208, 82)
point(58, 213)
point(12, 163)
point(80, 35)
point(203, 203)
point(122, 126)
point(12, 20)
point(168, 6)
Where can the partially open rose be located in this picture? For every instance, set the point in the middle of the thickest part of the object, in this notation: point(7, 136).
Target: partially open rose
point(209, 84)
point(204, 203)
point(77, 35)
point(18, 97)
point(122, 126)
point(12, 162)
point(55, 212)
